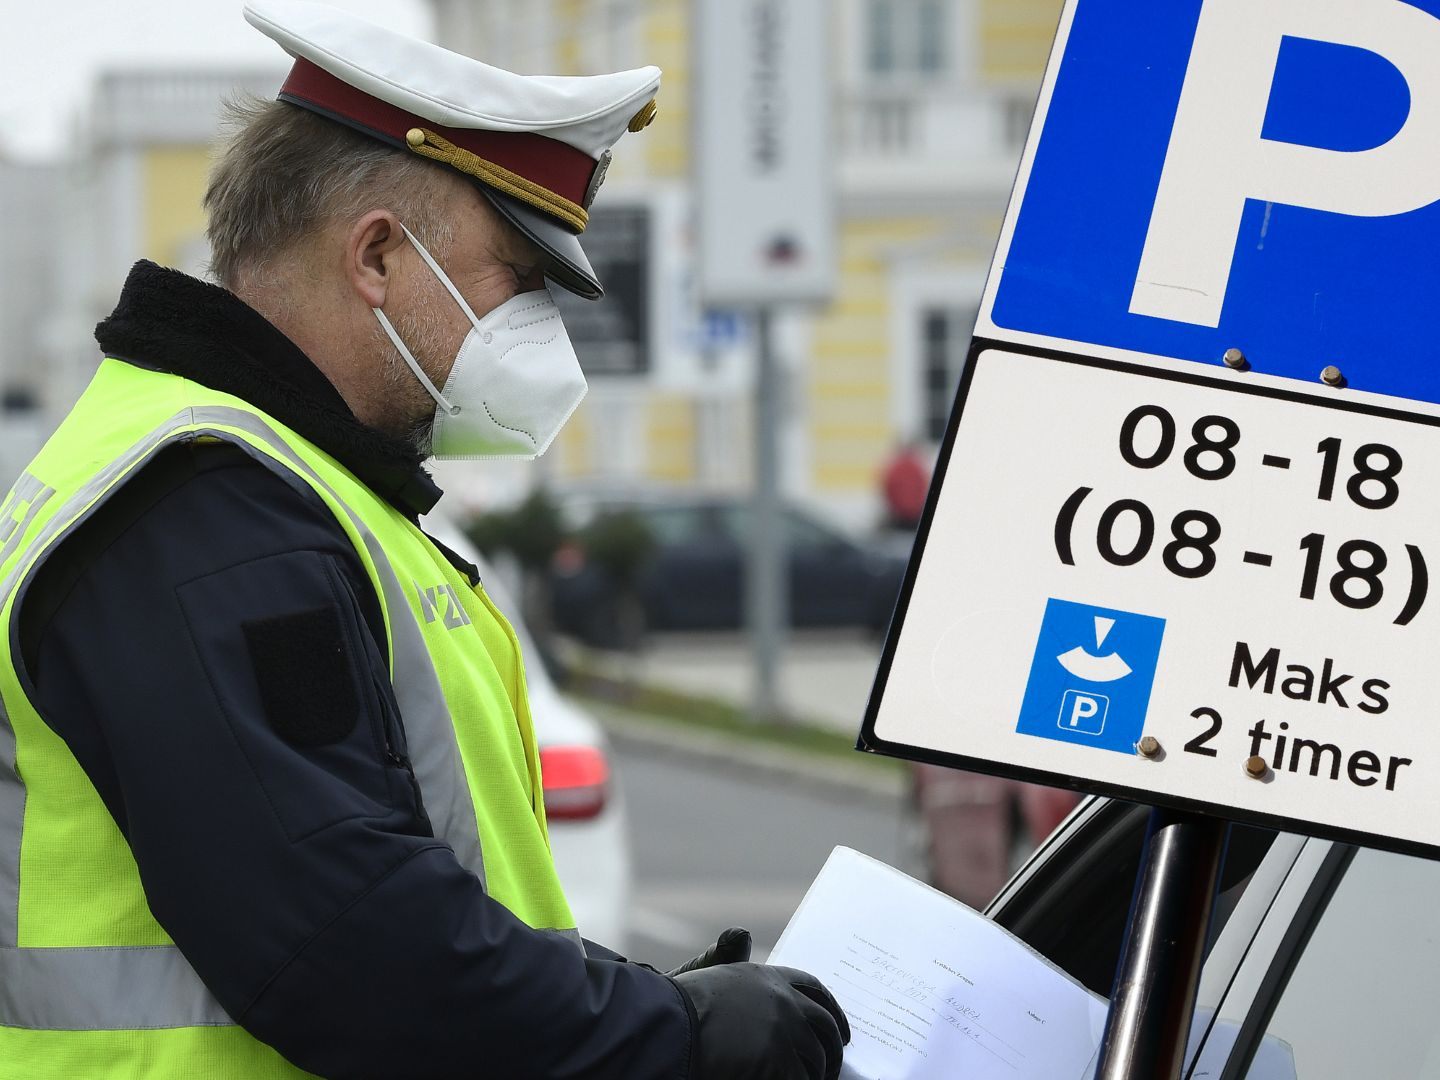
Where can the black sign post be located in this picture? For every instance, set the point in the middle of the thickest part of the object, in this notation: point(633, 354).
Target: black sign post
point(1153, 1003)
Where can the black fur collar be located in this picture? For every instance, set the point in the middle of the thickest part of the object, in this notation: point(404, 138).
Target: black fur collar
point(168, 321)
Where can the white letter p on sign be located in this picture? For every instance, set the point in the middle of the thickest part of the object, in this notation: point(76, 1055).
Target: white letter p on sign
point(1217, 158)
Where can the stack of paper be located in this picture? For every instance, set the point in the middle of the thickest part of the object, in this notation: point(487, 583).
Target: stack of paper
point(933, 989)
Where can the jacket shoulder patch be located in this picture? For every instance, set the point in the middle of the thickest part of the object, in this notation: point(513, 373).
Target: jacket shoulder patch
point(305, 675)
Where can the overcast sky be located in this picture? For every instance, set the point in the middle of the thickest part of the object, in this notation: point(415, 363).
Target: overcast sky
point(51, 49)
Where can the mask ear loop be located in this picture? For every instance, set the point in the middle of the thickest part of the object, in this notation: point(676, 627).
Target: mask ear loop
point(444, 277)
point(453, 410)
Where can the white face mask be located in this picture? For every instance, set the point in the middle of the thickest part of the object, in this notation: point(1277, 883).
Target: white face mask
point(515, 382)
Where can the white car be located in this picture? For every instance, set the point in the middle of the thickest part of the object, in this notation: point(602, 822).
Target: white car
point(583, 803)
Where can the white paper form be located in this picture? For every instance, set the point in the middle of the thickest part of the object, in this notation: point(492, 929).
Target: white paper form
point(932, 989)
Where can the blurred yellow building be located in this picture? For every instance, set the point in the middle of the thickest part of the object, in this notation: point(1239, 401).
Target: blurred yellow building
point(932, 100)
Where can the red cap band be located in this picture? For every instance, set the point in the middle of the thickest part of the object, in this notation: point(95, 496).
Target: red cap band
point(556, 166)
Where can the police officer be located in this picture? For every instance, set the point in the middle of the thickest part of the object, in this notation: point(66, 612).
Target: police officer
point(264, 810)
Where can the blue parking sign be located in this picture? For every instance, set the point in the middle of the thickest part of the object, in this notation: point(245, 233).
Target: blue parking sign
point(1091, 676)
point(1252, 174)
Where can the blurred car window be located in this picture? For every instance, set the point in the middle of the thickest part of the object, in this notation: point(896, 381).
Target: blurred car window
point(806, 534)
point(1361, 999)
point(680, 524)
point(802, 533)
point(691, 576)
point(736, 516)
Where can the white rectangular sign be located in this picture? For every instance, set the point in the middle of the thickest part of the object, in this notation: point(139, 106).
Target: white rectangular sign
point(764, 152)
point(1228, 574)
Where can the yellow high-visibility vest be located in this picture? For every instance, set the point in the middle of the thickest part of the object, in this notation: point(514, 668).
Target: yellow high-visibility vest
point(90, 984)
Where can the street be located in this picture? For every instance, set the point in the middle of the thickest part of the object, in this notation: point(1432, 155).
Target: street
point(714, 847)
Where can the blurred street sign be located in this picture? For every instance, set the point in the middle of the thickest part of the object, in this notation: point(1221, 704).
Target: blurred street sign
point(1180, 540)
point(612, 335)
point(765, 172)
point(722, 330)
point(764, 151)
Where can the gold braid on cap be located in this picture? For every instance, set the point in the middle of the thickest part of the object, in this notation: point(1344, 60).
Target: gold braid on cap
point(427, 144)
point(641, 120)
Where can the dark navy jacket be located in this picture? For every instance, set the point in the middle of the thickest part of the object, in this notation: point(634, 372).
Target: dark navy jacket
point(282, 850)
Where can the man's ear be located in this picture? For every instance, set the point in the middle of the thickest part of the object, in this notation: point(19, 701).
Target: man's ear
point(370, 255)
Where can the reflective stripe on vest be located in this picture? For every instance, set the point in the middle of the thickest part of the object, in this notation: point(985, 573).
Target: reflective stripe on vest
point(153, 986)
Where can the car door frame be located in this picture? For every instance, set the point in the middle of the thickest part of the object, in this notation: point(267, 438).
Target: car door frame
point(1270, 958)
point(1250, 960)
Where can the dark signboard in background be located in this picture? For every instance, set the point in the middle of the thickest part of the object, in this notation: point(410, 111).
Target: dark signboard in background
point(612, 335)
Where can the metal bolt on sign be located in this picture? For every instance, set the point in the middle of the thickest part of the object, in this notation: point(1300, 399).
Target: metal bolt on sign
point(1234, 358)
point(1256, 767)
point(1331, 376)
point(1148, 747)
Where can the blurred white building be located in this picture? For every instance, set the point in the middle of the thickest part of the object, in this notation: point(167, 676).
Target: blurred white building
point(31, 194)
point(132, 191)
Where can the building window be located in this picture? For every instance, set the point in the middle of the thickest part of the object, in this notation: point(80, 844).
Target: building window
point(944, 338)
point(880, 36)
point(907, 37)
point(930, 20)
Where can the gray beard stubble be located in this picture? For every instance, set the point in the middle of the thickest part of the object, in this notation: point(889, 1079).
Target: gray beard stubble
point(415, 409)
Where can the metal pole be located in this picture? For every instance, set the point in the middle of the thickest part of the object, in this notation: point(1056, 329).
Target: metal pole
point(767, 605)
point(1148, 1027)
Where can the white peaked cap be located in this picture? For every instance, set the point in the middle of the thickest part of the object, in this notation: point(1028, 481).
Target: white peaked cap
point(538, 146)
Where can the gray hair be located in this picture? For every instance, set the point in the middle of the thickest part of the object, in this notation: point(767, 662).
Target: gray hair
point(286, 172)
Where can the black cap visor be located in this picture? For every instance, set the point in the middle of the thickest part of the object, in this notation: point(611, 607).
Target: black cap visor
point(568, 267)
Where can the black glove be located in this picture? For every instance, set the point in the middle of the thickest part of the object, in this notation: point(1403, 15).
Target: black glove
point(731, 947)
point(764, 1023)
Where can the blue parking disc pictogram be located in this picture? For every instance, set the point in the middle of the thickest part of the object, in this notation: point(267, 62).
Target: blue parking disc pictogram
point(1091, 676)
